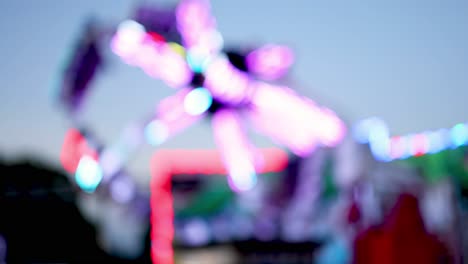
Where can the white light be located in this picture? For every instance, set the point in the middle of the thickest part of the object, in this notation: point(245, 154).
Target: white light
point(197, 101)
point(242, 177)
point(131, 26)
point(156, 132)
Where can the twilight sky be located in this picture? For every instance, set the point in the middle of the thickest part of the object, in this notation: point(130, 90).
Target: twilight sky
point(404, 61)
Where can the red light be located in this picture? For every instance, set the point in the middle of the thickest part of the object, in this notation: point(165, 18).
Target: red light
point(74, 147)
point(156, 37)
point(166, 163)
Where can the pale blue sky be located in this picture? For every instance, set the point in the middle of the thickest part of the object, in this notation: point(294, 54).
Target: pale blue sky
point(403, 60)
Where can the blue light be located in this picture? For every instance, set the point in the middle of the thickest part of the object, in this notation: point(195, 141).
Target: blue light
point(156, 133)
point(379, 141)
point(406, 150)
point(437, 141)
point(197, 101)
point(197, 60)
point(459, 135)
point(88, 174)
point(362, 130)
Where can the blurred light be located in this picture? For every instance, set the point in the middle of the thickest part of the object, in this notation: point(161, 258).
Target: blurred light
point(236, 152)
point(173, 68)
point(156, 132)
point(111, 162)
point(74, 147)
point(197, 60)
point(212, 40)
point(132, 28)
point(128, 37)
point(379, 141)
point(438, 140)
point(220, 229)
point(158, 38)
point(196, 233)
point(197, 101)
point(399, 147)
point(280, 113)
point(193, 19)
point(122, 189)
point(164, 164)
point(459, 135)
point(88, 174)
point(225, 82)
point(157, 59)
point(270, 62)
point(384, 148)
point(243, 177)
point(362, 129)
point(419, 144)
point(177, 48)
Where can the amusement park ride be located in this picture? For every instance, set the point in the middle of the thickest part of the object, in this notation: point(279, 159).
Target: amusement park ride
point(182, 46)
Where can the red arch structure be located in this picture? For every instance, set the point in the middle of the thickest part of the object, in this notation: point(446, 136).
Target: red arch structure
point(166, 163)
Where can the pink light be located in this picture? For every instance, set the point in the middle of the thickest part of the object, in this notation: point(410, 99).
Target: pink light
point(270, 62)
point(74, 148)
point(173, 67)
point(155, 58)
point(194, 20)
point(127, 40)
point(171, 118)
point(237, 153)
point(164, 164)
point(419, 145)
point(396, 147)
point(292, 120)
point(226, 82)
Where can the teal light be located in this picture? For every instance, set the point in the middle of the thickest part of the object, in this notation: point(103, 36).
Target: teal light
point(88, 174)
point(198, 101)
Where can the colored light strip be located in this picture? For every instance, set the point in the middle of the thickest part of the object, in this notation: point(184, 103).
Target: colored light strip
point(237, 153)
point(158, 59)
point(292, 120)
point(166, 163)
point(386, 148)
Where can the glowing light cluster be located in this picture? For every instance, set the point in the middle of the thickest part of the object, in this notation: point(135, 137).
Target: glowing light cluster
point(226, 82)
point(164, 164)
point(276, 111)
point(74, 147)
point(157, 58)
point(294, 121)
point(386, 148)
point(237, 152)
point(211, 84)
point(88, 174)
point(270, 62)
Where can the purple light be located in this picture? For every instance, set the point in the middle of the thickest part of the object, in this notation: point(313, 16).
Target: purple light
point(111, 162)
point(225, 82)
point(196, 232)
point(236, 152)
point(270, 62)
point(122, 189)
point(292, 120)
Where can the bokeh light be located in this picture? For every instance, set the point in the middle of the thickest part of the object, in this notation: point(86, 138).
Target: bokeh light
point(88, 174)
